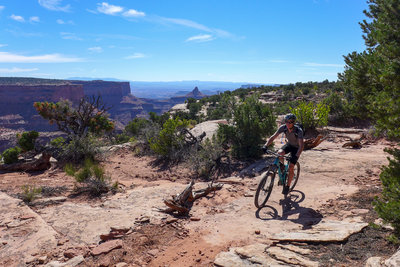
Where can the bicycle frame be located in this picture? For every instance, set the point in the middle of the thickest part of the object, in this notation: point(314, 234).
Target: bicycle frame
point(277, 162)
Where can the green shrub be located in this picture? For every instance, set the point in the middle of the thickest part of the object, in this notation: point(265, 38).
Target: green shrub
point(170, 141)
point(92, 175)
point(252, 122)
point(79, 149)
point(135, 126)
point(311, 115)
point(30, 193)
point(388, 205)
point(11, 155)
point(26, 140)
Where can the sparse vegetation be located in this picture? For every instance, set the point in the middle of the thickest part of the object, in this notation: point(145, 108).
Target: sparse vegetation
point(170, 142)
point(30, 193)
point(92, 175)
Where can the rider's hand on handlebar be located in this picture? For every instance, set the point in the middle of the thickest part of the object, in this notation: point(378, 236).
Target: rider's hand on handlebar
point(264, 148)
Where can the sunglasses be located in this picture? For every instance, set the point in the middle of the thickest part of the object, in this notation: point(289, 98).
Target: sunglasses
point(291, 122)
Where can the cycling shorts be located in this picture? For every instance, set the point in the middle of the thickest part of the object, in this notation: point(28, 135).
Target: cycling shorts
point(288, 148)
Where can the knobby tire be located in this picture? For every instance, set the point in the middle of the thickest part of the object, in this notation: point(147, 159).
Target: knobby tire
point(264, 189)
point(296, 176)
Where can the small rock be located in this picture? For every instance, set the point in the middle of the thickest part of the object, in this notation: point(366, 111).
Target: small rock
point(195, 219)
point(121, 264)
point(171, 220)
point(257, 232)
point(70, 253)
point(106, 247)
point(153, 252)
point(42, 259)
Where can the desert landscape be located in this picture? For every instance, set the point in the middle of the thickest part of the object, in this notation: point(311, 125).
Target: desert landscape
point(326, 221)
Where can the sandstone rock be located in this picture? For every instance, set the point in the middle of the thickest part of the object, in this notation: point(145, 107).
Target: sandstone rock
point(290, 257)
point(296, 249)
point(209, 127)
point(106, 247)
point(393, 261)
point(73, 219)
point(374, 262)
point(251, 255)
point(71, 263)
point(27, 236)
point(121, 264)
point(325, 231)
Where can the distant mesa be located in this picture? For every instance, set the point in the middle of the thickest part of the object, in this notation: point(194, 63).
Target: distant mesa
point(195, 94)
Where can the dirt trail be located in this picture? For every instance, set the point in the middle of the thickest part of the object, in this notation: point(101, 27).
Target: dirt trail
point(217, 222)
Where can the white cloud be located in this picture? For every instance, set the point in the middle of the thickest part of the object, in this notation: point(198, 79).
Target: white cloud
point(3, 45)
point(188, 23)
point(2, 7)
point(136, 55)
point(54, 5)
point(200, 38)
point(17, 18)
point(133, 13)
point(312, 64)
point(109, 9)
point(70, 36)
point(6, 57)
point(15, 70)
point(96, 49)
point(60, 21)
point(34, 19)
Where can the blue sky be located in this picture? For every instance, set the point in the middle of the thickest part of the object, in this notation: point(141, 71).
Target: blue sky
point(257, 41)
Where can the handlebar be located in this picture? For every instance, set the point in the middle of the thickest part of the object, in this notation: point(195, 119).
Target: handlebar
point(275, 154)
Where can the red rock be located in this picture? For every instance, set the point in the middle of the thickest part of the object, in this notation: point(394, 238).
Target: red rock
point(106, 247)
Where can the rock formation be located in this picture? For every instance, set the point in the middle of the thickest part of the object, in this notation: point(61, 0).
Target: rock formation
point(16, 103)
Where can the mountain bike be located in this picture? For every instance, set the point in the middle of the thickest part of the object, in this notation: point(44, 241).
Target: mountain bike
point(266, 183)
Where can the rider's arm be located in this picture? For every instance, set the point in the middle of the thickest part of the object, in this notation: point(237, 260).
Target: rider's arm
point(272, 138)
point(301, 147)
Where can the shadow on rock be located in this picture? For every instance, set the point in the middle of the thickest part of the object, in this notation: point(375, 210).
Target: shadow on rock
point(306, 216)
point(267, 213)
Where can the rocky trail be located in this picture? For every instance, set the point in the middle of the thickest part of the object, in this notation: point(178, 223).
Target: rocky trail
point(325, 221)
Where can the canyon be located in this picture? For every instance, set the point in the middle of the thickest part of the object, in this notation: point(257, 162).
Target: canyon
point(17, 96)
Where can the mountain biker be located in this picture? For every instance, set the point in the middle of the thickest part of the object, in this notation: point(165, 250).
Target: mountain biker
point(294, 145)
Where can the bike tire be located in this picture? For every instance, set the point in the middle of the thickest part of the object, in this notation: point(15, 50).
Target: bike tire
point(296, 176)
point(264, 189)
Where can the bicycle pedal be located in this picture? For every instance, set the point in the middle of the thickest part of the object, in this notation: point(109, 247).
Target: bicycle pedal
point(280, 182)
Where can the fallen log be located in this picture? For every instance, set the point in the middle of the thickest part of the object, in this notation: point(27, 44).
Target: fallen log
point(40, 164)
point(355, 143)
point(313, 142)
point(183, 201)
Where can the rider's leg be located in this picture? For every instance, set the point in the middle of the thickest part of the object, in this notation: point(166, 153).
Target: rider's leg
point(291, 173)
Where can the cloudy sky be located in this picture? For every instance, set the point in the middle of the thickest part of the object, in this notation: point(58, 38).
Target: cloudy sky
point(260, 41)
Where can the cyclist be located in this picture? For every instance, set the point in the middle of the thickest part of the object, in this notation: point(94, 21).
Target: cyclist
point(294, 145)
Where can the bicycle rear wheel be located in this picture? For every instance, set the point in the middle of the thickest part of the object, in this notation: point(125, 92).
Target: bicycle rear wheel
point(264, 189)
point(295, 176)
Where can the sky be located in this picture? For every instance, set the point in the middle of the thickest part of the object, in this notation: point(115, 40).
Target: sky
point(252, 41)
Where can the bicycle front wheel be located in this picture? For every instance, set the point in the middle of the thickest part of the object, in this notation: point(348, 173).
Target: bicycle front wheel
point(296, 176)
point(264, 189)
